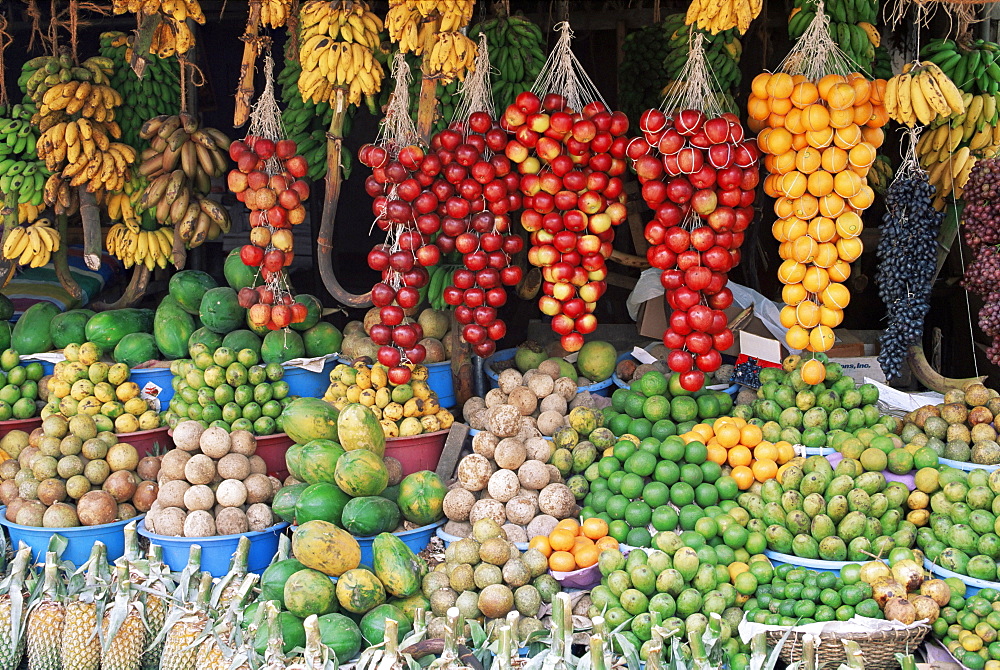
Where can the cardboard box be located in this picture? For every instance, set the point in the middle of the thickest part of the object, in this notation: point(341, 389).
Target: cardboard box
point(859, 367)
point(652, 319)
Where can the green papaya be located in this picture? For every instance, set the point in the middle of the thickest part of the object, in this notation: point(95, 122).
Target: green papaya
point(172, 328)
point(70, 327)
point(32, 334)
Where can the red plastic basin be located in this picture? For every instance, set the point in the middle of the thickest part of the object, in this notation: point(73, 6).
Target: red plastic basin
point(272, 449)
point(149, 442)
point(27, 425)
point(417, 452)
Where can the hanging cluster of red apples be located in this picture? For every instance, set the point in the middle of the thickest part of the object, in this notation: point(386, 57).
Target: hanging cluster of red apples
point(275, 203)
point(571, 165)
point(699, 176)
point(453, 198)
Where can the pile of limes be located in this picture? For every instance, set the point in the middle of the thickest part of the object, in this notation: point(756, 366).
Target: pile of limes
point(228, 388)
point(792, 596)
point(19, 387)
point(969, 627)
point(677, 585)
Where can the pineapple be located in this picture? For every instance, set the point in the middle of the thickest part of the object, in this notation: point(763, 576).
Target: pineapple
point(229, 587)
point(12, 610)
point(123, 631)
point(219, 650)
point(80, 647)
point(45, 620)
point(185, 628)
point(154, 601)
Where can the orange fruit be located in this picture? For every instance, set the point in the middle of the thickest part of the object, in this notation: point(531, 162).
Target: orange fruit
point(804, 249)
point(595, 528)
point(822, 229)
point(757, 108)
point(877, 92)
point(849, 225)
point(717, 454)
point(793, 121)
point(840, 96)
point(795, 228)
point(826, 83)
point(750, 435)
point(776, 120)
point(849, 250)
point(728, 435)
point(804, 94)
point(586, 556)
point(764, 469)
point(793, 294)
point(739, 455)
point(821, 183)
point(879, 118)
point(562, 539)
point(737, 421)
point(541, 543)
point(820, 138)
point(765, 451)
point(786, 451)
point(862, 89)
point(770, 185)
point(755, 125)
point(703, 431)
point(840, 270)
point(847, 184)
point(815, 117)
point(736, 569)
point(791, 272)
point(830, 317)
point(836, 296)
point(571, 525)
point(780, 106)
point(821, 338)
point(799, 141)
point(779, 85)
point(784, 163)
point(841, 118)
point(834, 159)
point(582, 542)
point(863, 113)
point(606, 542)
point(794, 184)
point(816, 279)
point(806, 314)
point(797, 337)
point(787, 316)
point(807, 206)
point(826, 255)
point(743, 476)
point(808, 160)
point(864, 198)
point(776, 142)
point(847, 137)
point(783, 207)
point(562, 561)
point(759, 85)
point(813, 372)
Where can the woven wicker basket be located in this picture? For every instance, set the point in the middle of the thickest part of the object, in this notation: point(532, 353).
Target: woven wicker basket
point(878, 647)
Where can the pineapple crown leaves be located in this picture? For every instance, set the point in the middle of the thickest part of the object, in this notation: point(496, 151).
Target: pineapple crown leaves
point(760, 659)
point(186, 610)
point(225, 626)
point(387, 655)
point(317, 655)
point(237, 571)
point(13, 586)
point(50, 588)
point(274, 654)
point(126, 602)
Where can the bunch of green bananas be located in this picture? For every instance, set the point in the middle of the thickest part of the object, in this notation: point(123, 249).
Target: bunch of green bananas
point(158, 92)
point(852, 27)
point(21, 171)
point(881, 174)
point(517, 50)
point(975, 68)
point(441, 277)
point(307, 122)
point(883, 63)
point(656, 55)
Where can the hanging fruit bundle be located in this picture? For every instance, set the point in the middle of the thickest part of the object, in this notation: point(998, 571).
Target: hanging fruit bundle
point(395, 160)
point(337, 44)
point(472, 187)
point(716, 17)
point(980, 232)
point(852, 27)
point(171, 35)
point(699, 174)
point(21, 171)
point(974, 66)
point(922, 94)
point(268, 179)
point(907, 253)
point(416, 25)
point(570, 151)
point(820, 125)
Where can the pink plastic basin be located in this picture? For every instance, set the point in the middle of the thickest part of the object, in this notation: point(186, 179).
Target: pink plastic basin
point(27, 425)
point(417, 452)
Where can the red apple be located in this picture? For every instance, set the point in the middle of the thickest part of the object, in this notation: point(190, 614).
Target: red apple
point(704, 201)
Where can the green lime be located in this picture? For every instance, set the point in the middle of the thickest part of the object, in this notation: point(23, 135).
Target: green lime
point(692, 474)
point(706, 527)
point(664, 518)
point(634, 404)
point(695, 452)
point(735, 536)
point(618, 529)
point(632, 485)
point(763, 571)
point(656, 408)
point(616, 506)
point(672, 449)
point(619, 424)
point(641, 463)
point(653, 383)
point(727, 487)
point(638, 537)
point(667, 472)
point(650, 445)
point(638, 514)
point(615, 481)
point(623, 449)
point(618, 399)
point(683, 409)
point(711, 471)
point(868, 608)
point(641, 428)
point(664, 428)
point(608, 465)
point(681, 494)
point(746, 583)
point(851, 573)
point(706, 494)
point(599, 500)
point(656, 494)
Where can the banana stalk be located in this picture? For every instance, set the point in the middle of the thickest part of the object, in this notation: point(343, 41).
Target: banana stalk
point(60, 260)
point(931, 378)
point(90, 218)
point(133, 292)
point(334, 180)
point(251, 47)
point(428, 87)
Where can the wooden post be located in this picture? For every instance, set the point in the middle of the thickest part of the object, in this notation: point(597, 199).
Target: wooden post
point(60, 260)
point(133, 292)
point(8, 214)
point(427, 103)
point(90, 217)
point(251, 46)
point(334, 180)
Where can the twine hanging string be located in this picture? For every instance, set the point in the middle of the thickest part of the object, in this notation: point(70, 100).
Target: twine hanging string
point(36, 27)
point(696, 86)
point(656, 11)
point(5, 41)
point(265, 115)
point(189, 72)
point(564, 75)
point(397, 129)
point(961, 13)
point(815, 54)
point(476, 93)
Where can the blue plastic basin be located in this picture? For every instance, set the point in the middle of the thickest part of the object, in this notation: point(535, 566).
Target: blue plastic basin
point(968, 467)
point(600, 388)
point(972, 585)
point(79, 541)
point(217, 552)
point(162, 377)
point(47, 367)
point(309, 384)
point(813, 564)
point(440, 381)
point(416, 539)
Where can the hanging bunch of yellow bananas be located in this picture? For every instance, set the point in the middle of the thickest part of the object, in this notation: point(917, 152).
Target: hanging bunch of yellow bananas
point(950, 146)
point(275, 13)
point(338, 41)
point(921, 95)
point(453, 54)
point(32, 245)
point(152, 248)
point(717, 16)
point(76, 117)
point(172, 35)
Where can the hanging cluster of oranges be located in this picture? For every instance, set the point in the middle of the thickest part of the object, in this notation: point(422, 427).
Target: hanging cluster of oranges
point(819, 140)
